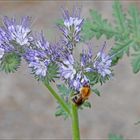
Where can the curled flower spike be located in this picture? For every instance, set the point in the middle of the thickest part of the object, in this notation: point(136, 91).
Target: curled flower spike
point(18, 32)
point(41, 55)
point(71, 29)
point(103, 63)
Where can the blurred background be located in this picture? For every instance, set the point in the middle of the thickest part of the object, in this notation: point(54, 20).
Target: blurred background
point(27, 108)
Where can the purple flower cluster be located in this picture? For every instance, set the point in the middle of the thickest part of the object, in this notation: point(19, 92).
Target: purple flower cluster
point(41, 55)
point(71, 28)
point(13, 32)
point(74, 73)
point(74, 77)
point(18, 32)
point(103, 64)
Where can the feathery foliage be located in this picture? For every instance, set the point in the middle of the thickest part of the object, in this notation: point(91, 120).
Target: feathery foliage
point(115, 137)
point(125, 31)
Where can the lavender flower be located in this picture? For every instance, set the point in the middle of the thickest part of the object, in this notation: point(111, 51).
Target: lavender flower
point(41, 55)
point(5, 45)
point(74, 73)
point(79, 81)
point(87, 59)
point(19, 32)
point(67, 68)
point(37, 61)
point(4, 37)
point(74, 77)
point(71, 29)
point(103, 63)
point(12, 33)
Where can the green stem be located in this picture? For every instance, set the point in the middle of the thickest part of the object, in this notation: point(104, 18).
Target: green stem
point(58, 98)
point(75, 123)
point(73, 113)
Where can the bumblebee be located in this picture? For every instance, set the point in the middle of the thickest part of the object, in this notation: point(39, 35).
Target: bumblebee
point(82, 95)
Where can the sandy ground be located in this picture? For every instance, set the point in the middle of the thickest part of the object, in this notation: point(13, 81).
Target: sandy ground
point(27, 108)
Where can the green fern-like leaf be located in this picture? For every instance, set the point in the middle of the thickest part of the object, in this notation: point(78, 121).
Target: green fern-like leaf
point(125, 32)
point(96, 27)
point(64, 93)
point(119, 49)
point(10, 62)
point(101, 25)
point(96, 91)
point(87, 104)
point(115, 137)
point(61, 112)
point(134, 27)
point(63, 90)
point(87, 33)
point(134, 22)
point(120, 19)
point(136, 62)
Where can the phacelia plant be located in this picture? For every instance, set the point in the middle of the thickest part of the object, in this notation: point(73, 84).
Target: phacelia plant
point(79, 73)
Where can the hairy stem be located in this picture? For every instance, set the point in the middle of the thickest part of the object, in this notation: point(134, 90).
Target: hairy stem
point(58, 98)
point(75, 123)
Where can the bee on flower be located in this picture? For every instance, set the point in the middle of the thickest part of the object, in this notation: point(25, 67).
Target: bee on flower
point(74, 72)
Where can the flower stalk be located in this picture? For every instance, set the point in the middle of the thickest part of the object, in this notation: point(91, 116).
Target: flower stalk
point(75, 123)
point(58, 98)
point(73, 113)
